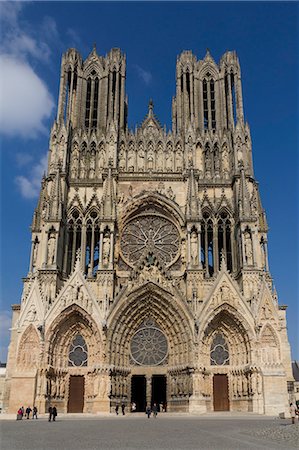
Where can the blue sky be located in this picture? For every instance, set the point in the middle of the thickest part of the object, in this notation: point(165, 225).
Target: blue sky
point(265, 36)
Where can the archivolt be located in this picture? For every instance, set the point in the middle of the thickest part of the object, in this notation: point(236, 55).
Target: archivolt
point(149, 302)
point(236, 332)
point(72, 321)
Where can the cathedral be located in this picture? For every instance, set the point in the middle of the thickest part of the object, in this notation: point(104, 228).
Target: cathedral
point(148, 279)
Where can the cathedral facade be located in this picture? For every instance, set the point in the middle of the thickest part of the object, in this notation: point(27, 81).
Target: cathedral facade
point(148, 278)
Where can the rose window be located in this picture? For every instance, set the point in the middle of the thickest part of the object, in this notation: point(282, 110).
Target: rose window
point(219, 351)
point(150, 234)
point(149, 346)
point(78, 352)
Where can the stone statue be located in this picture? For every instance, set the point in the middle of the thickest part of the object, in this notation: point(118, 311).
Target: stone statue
point(199, 157)
point(194, 248)
point(168, 161)
point(106, 250)
point(248, 248)
point(225, 161)
point(34, 255)
point(131, 159)
point(92, 166)
point(170, 193)
point(122, 161)
point(160, 160)
point(101, 160)
point(150, 160)
point(140, 159)
point(179, 160)
point(51, 248)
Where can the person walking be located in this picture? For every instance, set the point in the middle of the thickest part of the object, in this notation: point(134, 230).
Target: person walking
point(28, 411)
point(293, 412)
point(116, 408)
point(50, 410)
point(20, 414)
point(155, 410)
point(123, 407)
point(54, 412)
point(34, 412)
point(148, 411)
point(22, 409)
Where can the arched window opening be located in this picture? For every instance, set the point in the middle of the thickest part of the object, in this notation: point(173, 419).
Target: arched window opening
point(213, 104)
point(224, 239)
point(207, 253)
point(188, 83)
point(78, 352)
point(74, 230)
point(219, 353)
point(92, 244)
point(88, 103)
point(205, 104)
point(226, 102)
point(95, 103)
point(234, 107)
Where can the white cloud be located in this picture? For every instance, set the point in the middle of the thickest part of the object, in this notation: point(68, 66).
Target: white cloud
point(25, 101)
point(5, 320)
point(30, 185)
point(145, 75)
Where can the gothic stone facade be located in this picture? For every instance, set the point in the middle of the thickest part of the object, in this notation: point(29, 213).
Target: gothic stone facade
point(149, 277)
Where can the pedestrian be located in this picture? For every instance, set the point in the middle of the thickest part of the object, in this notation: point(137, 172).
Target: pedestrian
point(54, 412)
point(34, 413)
point(22, 408)
point(123, 406)
point(50, 410)
point(148, 411)
point(19, 414)
point(133, 408)
point(28, 411)
point(293, 412)
point(116, 408)
point(155, 410)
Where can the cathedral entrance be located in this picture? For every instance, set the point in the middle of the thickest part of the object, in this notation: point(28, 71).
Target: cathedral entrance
point(76, 394)
point(138, 390)
point(159, 390)
point(220, 392)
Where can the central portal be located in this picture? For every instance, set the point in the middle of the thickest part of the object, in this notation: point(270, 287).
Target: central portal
point(138, 390)
point(159, 390)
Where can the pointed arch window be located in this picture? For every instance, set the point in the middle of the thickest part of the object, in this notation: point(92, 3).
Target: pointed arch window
point(88, 103)
point(209, 102)
point(74, 228)
point(224, 238)
point(78, 352)
point(95, 103)
point(92, 243)
point(219, 353)
point(207, 252)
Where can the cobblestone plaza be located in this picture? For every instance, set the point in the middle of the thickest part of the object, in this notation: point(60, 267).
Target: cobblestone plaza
point(166, 432)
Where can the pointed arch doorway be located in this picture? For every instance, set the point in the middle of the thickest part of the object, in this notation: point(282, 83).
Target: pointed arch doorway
point(76, 394)
point(220, 392)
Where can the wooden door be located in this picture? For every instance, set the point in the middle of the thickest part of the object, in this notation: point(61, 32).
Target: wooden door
point(76, 394)
point(220, 392)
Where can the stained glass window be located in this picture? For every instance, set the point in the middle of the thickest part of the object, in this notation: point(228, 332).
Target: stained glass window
point(219, 353)
point(149, 346)
point(78, 352)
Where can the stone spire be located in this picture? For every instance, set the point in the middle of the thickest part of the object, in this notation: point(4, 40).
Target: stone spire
point(109, 200)
point(56, 197)
point(244, 200)
point(193, 212)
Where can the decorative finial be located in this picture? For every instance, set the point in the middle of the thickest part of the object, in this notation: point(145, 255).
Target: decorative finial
point(223, 261)
point(94, 47)
point(150, 108)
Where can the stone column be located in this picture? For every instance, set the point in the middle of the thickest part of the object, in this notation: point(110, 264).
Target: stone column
point(83, 246)
point(31, 256)
point(215, 247)
point(100, 249)
point(122, 101)
point(189, 247)
point(148, 389)
point(199, 246)
point(111, 249)
point(266, 255)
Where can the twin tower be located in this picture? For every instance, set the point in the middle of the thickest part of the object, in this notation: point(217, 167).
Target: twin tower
point(149, 279)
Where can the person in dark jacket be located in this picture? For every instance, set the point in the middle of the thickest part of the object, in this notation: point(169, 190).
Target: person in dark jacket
point(123, 407)
point(148, 411)
point(50, 410)
point(54, 412)
point(28, 411)
point(34, 412)
point(155, 410)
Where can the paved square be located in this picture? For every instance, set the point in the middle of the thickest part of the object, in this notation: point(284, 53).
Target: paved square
point(137, 432)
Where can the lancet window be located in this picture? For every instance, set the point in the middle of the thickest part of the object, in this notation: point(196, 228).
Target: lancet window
point(224, 238)
point(209, 103)
point(78, 352)
point(219, 352)
point(92, 100)
point(230, 95)
point(207, 244)
point(74, 231)
point(92, 244)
